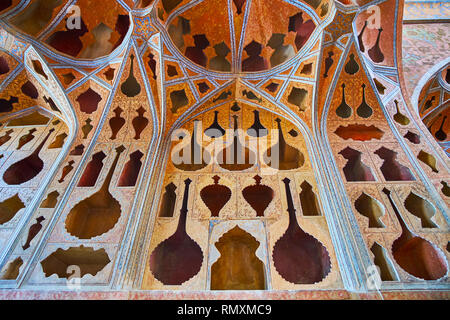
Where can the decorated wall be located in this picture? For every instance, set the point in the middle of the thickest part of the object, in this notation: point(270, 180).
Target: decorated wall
point(223, 148)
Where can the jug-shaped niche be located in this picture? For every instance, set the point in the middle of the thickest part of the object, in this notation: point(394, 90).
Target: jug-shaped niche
point(215, 196)
point(298, 256)
point(178, 258)
point(98, 213)
point(283, 156)
point(236, 156)
point(192, 156)
point(131, 86)
point(258, 196)
point(27, 168)
point(414, 254)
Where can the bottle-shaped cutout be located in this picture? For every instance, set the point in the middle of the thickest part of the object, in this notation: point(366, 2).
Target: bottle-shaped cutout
point(152, 64)
point(429, 160)
point(299, 257)
point(258, 196)
point(415, 255)
point(23, 140)
point(139, 123)
point(355, 169)
point(6, 137)
point(27, 168)
point(116, 123)
point(58, 142)
point(7, 105)
point(215, 130)
point(352, 67)
point(344, 111)
point(131, 86)
point(196, 160)
point(380, 87)
point(33, 232)
point(441, 135)
point(178, 258)
point(257, 129)
point(445, 188)
point(308, 200)
point(375, 52)
point(215, 196)
point(328, 63)
point(371, 209)
point(412, 137)
point(383, 262)
point(168, 201)
point(399, 117)
point(86, 129)
point(364, 110)
point(92, 171)
point(360, 37)
point(51, 200)
point(9, 208)
point(98, 213)
point(66, 170)
point(77, 151)
point(289, 158)
point(422, 209)
point(236, 157)
point(391, 169)
point(130, 172)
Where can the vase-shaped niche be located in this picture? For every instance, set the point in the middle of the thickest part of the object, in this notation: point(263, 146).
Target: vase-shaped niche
point(215, 196)
point(98, 213)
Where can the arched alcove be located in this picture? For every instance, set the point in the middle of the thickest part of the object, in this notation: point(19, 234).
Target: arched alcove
point(246, 147)
point(238, 266)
